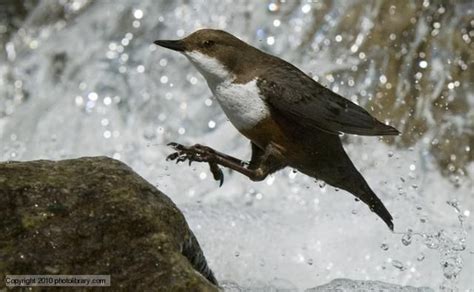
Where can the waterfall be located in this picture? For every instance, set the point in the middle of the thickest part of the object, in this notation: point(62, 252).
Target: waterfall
point(83, 78)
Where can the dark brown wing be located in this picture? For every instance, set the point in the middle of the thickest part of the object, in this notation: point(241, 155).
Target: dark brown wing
point(300, 98)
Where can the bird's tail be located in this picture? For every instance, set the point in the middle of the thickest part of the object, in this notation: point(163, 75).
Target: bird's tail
point(366, 195)
point(345, 176)
point(352, 181)
point(327, 160)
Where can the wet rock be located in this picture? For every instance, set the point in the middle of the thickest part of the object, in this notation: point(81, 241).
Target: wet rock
point(96, 216)
point(342, 285)
point(336, 285)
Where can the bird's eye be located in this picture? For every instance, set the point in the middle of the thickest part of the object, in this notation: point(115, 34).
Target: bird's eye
point(208, 43)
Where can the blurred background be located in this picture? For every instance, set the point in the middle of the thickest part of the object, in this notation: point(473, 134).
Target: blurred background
point(81, 78)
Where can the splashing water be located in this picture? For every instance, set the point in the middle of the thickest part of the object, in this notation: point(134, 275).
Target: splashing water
point(83, 78)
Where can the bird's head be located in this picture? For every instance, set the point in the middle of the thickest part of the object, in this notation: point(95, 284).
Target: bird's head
point(215, 53)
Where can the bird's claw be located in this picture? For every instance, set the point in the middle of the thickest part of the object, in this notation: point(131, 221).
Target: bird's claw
point(175, 146)
point(217, 173)
point(172, 156)
point(198, 153)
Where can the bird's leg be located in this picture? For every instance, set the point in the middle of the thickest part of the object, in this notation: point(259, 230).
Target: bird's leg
point(263, 162)
point(200, 153)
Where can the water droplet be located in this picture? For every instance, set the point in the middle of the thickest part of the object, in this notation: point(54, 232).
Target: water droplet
point(420, 257)
point(271, 40)
point(164, 79)
point(107, 100)
point(399, 265)
point(138, 14)
point(92, 96)
point(273, 7)
point(306, 8)
point(79, 100)
point(140, 68)
point(432, 242)
point(237, 254)
point(454, 204)
point(452, 267)
point(149, 133)
point(406, 238)
point(163, 62)
point(107, 134)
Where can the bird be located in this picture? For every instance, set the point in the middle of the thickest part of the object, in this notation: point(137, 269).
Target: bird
point(290, 119)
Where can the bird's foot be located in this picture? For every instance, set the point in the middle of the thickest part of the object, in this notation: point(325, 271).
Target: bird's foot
point(197, 153)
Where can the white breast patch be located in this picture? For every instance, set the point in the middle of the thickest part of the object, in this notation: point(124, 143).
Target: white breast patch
point(242, 103)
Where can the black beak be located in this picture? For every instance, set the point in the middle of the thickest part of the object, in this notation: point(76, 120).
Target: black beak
point(172, 45)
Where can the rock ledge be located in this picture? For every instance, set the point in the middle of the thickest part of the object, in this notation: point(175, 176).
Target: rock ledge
point(94, 215)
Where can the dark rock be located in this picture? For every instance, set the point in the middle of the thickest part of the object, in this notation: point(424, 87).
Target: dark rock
point(96, 216)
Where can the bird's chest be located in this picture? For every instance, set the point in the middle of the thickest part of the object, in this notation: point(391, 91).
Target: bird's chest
point(241, 103)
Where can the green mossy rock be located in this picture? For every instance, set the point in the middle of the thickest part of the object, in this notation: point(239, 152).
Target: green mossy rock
point(96, 216)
